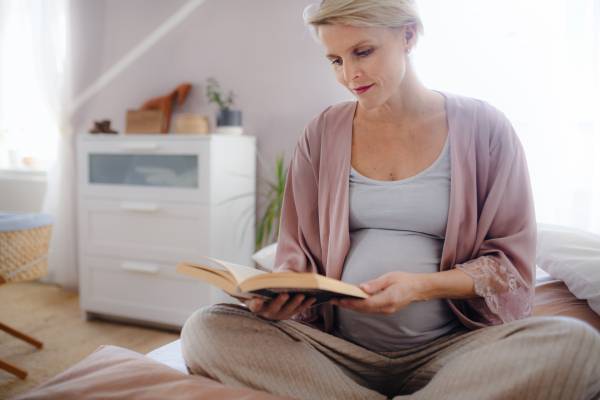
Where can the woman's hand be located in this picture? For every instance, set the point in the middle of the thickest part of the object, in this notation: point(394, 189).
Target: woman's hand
point(390, 293)
point(281, 307)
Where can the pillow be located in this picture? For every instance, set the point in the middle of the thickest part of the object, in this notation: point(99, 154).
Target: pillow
point(573, 256)
point(265, 257)
point(113, 372)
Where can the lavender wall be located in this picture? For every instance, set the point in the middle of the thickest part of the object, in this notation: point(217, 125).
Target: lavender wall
point(260, 49)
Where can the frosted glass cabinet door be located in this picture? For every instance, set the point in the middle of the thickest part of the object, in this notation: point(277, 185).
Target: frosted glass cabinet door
point(166, 170)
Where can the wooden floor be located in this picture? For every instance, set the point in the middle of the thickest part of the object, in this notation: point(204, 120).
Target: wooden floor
point(52, 315)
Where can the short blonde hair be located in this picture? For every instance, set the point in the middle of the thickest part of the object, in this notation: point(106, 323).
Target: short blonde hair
point(365, 13)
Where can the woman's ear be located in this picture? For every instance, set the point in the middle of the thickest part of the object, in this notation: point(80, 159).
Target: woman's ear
point(410, 33)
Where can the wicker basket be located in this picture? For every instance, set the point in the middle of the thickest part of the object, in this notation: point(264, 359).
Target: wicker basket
point(18, 248)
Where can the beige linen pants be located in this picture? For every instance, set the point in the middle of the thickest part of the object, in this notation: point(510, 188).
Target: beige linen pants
point(535, 358)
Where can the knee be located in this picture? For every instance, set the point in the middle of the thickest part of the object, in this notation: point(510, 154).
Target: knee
point(587, 336)
point(207, 322)
point(575, 329)
point(205, 333)
point(573, 333)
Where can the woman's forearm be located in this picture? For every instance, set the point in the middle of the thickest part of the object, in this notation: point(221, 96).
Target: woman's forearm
point(451, 284)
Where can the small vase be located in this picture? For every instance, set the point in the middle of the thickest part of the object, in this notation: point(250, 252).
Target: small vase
point(229, 118)
point(229, 122)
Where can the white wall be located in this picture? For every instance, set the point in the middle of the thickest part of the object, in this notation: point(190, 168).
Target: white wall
point(260, 49)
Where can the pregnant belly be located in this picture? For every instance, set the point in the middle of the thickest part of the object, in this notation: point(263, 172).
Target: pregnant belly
point(375, 252)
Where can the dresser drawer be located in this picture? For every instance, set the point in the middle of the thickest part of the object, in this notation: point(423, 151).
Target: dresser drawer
point(142, 290)
point(146, 230)
point(156, 169)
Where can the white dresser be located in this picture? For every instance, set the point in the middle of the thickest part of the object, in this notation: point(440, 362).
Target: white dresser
point(144, 202)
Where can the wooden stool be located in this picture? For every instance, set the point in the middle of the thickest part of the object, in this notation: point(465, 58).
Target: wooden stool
point(5, 365)
point(24, 244)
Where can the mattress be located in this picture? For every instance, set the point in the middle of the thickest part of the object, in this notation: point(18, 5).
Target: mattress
point(170, 355)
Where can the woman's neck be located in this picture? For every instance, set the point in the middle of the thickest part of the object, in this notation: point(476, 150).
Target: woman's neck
point(410, 103)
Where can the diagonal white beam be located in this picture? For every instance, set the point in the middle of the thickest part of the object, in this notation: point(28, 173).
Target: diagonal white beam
point(135, 53)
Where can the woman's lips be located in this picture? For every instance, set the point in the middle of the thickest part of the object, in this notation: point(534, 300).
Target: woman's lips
point(362, 89)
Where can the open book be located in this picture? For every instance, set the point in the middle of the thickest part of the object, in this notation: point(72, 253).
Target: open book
point(244, 282)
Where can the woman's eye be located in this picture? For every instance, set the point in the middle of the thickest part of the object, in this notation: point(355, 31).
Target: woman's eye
point(337, 61)
point(364, 53)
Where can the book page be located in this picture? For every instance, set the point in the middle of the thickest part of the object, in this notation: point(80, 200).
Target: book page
point(219, 278)
point(239, 272)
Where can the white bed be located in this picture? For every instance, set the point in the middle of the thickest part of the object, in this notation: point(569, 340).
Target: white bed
point(170, 354)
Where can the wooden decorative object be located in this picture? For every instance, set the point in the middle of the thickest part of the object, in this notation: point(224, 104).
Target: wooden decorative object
point(165, 103)
point(102, 127)
point(191, 123)
point(144, 121)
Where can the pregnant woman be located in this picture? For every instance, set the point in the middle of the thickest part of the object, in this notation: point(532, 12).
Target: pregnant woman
point(423, 199)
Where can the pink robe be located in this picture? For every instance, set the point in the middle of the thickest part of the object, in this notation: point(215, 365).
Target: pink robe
point(491, 231)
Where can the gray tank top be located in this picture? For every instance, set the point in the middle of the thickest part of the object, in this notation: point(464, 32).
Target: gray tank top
point(398, 226)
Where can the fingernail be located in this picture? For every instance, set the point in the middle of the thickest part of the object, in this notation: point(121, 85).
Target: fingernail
point(367, 286)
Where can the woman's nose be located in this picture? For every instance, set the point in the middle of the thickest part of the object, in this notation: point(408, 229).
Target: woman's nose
point(350, 72)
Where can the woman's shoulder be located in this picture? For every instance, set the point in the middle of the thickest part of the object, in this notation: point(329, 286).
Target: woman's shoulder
point(339, 113)
point(336, 119)
point(488, 124)
point(471, 106)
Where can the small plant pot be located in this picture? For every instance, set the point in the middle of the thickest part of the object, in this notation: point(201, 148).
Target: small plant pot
point(229, 122)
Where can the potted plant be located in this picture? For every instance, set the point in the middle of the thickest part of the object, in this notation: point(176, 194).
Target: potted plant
point(267, 231)
point(228, 121)
point(271, 189)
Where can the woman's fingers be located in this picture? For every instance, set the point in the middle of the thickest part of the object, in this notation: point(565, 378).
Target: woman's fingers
point(281, 307)
point(378, 284)
point(272, 308)
point(381, 303)
point(288, 310)
point(304, 305)
point(255, 305)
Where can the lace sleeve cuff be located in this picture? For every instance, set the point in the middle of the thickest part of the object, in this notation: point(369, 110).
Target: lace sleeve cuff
point(502, 299)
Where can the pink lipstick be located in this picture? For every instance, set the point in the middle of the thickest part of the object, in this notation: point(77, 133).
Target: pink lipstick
point(362, 89)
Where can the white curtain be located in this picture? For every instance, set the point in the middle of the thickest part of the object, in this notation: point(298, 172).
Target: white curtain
point(538, 61)
point(40, 67)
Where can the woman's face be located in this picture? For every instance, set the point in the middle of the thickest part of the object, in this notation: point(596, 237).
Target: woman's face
point(369, 62)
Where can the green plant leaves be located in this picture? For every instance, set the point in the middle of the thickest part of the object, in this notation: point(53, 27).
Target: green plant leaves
point(214, 94)
point(268, 228)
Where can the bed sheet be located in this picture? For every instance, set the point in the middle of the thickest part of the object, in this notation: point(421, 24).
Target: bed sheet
point(170, 354)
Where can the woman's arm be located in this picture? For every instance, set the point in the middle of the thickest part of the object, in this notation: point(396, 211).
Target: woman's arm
point(300, 192)
point(503, 265)
point(502, 298)
point(399, 289)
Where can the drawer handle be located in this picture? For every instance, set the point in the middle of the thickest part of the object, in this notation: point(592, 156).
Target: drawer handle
point(139, 267)
point(144, 207)
point(144, 146)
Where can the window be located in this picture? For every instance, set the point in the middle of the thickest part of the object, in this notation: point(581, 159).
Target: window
point(28, 125)
point(538, 62)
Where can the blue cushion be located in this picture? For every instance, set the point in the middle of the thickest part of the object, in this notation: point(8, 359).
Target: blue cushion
point(23, 221)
